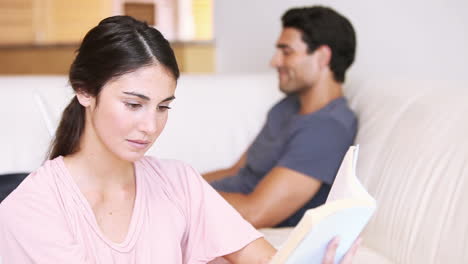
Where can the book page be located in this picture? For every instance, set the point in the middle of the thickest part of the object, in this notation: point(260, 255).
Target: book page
point(346, 184)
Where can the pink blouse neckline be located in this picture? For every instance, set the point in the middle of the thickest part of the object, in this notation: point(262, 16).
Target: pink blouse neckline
point(84, 206)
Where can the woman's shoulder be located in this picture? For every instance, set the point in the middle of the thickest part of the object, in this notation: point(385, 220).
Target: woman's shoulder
point(34, 192)
point(167, 165)
point(169, 172)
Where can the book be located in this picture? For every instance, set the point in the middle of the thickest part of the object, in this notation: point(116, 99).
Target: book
point(348, 209)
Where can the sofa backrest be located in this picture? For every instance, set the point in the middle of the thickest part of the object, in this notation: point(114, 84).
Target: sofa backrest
point(211, 123)
point(215, 117)
point(27, 120)
point(414, 160)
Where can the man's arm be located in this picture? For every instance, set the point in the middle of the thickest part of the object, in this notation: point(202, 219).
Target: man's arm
point(223, 173)
point(278, 195)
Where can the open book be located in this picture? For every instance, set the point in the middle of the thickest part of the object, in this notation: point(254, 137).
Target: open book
point(348, 209)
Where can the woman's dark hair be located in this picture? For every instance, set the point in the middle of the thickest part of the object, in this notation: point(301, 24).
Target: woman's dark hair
point(117, 45)
point(324, 26)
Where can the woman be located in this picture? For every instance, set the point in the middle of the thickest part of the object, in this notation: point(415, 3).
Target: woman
point(98, 199)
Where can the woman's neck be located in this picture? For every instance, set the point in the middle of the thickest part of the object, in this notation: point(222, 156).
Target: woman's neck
point(95, 167)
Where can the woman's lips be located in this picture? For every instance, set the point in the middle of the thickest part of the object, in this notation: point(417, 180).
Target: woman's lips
point(139, 144)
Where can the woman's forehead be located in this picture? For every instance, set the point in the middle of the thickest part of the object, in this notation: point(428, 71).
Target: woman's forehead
point(152, 81)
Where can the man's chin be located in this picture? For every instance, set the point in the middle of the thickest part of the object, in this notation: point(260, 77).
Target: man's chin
point(287, 90)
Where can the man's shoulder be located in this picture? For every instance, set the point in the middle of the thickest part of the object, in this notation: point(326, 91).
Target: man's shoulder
point(286, 106)
point(335, 116)
point(287, 102)
point(340, 107)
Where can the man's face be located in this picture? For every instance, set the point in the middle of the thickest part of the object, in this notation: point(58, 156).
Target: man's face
point(297, 69)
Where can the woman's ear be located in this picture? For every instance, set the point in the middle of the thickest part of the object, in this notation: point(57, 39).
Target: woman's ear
point(84, 98)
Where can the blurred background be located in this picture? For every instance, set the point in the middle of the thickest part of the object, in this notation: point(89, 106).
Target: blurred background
point(41, 36)
point(408, 39)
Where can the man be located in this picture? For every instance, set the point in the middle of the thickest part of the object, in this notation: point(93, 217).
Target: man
point(292, 163)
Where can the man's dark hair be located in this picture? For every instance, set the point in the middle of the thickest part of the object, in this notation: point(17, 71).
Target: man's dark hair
point(323, 26)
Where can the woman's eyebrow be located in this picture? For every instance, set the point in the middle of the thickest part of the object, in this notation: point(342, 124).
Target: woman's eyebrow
point(170, 98)
point(142, 96)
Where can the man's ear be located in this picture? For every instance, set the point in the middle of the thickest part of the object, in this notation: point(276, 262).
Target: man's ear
point(84, 98)
point(324, 57)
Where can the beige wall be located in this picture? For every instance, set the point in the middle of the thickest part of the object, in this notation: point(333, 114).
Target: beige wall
point(418, 39)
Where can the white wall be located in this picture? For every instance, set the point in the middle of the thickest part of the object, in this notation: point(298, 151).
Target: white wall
point(421, 39)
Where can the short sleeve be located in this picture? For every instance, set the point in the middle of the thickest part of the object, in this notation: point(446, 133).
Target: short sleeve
point(317, 149)
point(32, 229)
point(215, 227)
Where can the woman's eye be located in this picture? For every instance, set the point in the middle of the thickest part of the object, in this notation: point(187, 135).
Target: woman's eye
point(163, 108)
point(133, 106)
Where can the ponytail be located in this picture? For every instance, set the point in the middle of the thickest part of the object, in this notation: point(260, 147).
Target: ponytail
point(68, 134)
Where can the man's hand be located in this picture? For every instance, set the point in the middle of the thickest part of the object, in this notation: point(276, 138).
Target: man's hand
point(331, 251)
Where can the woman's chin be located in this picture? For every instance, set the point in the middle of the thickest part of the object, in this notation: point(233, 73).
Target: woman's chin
point(132, 156)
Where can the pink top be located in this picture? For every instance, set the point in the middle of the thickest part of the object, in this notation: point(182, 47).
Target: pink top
point(177, 218)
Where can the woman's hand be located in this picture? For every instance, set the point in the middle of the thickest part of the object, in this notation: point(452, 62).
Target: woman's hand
point(261, 252)
point(331, 250)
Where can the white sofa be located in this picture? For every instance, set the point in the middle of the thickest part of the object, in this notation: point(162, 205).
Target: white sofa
point(413, 158)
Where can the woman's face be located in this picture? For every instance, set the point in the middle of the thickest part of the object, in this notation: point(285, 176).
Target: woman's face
point(130, 112)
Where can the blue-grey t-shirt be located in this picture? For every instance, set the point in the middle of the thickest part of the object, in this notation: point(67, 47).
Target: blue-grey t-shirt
point(312, 144)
